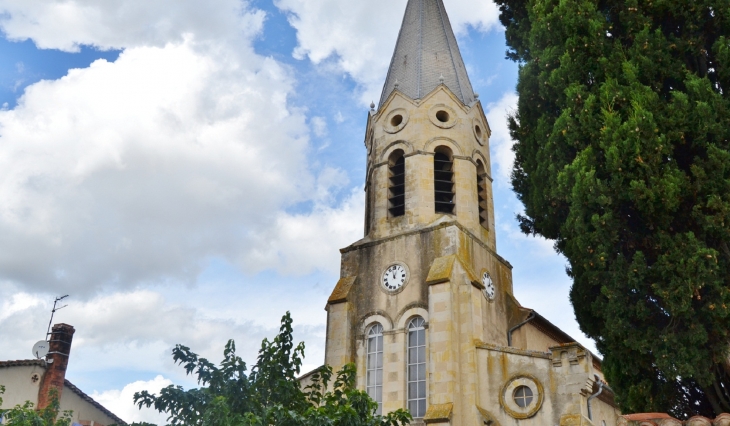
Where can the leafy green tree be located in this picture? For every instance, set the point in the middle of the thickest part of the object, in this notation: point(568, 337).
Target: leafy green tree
point(27, 415)
point(622, 157)
point(269, 394)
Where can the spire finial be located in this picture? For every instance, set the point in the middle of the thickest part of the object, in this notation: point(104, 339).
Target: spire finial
point(441, 79)
point(397, 83)
point(372, 106)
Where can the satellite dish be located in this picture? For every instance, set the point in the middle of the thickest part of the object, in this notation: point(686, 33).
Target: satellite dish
point(40, 349)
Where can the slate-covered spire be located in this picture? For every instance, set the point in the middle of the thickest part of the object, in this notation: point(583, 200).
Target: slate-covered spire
point(426, 54)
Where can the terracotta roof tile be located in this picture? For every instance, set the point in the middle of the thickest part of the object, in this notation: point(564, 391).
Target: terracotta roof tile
point(23, 363)
point(665, 419)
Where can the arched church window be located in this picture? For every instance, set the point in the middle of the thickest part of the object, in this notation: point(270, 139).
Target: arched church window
point(375, 365)
point(397, 186)
point(482, 195)
point(443, 177)
point(417, 367)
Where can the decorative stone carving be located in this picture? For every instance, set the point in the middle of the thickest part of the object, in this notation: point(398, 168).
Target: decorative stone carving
point(573, 352)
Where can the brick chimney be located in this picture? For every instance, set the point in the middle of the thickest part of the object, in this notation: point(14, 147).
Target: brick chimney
point(57, 359)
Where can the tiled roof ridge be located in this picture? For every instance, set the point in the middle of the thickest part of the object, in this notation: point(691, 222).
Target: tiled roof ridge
point(91, 401)
point(23, 363)
point(663, 419)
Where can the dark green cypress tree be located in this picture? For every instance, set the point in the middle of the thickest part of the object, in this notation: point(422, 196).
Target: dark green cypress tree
point(623, 158)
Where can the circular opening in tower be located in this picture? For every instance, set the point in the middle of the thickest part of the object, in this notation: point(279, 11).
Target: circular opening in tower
point(523, 396)
point(478, 131)
point(396, 120)
point(442, 116)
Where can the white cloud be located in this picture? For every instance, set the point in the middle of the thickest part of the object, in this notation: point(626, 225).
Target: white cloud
point(319, 126)
point(141, 169)
point(120, 402)
point(110, 24)
point(305, 242)
point(127, 176)
point(358, 38)
point(136, 330)
point(18, 302)
point(339, 118)
point(500, 143)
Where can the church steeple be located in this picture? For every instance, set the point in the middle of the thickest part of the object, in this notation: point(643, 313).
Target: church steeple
point(424, 306)
point(428, 141)
point(427, 55)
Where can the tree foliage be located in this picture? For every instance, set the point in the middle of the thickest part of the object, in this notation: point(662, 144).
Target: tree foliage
point(622, 157)
point(269, 394)
point(28, 415)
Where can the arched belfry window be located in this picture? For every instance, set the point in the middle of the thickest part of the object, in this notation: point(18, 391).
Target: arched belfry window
point(443, 179)
point(417, 367)
point(482, 195)
point(375, 365)
point(397, 184)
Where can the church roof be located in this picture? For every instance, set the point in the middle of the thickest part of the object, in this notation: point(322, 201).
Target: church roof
point(427, 55)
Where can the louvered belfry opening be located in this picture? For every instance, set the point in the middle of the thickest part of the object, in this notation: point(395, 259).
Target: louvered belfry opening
point(397, 188)
point(443, 177)
point(482, 195)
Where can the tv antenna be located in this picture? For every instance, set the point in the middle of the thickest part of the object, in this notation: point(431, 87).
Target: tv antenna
point(53, 312)
point(42, 348)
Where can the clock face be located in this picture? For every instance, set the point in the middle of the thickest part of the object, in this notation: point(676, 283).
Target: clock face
point(488, 286)
point(394, 277)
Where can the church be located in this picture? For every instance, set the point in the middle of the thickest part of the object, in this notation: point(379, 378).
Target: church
point(424, 305)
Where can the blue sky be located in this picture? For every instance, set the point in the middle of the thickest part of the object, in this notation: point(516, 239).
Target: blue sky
point(189, 175)
point(23, 64)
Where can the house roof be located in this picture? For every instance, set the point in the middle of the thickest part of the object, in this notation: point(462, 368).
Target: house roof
point(427, 55)
point(23, 363)
point(91, 401)
point(67, 384)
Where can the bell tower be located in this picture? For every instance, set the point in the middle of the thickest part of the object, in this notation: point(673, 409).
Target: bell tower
point(428, 142)
point(425, 283)
point(424, 305)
